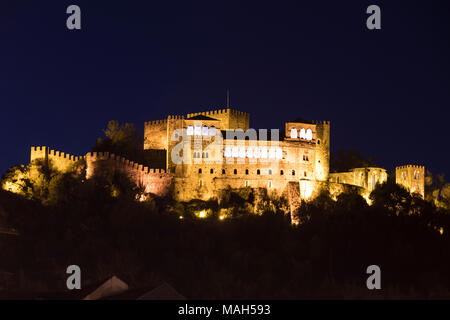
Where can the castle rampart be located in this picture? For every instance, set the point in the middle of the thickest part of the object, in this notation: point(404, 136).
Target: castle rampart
point(60, 160)
point(155, 181)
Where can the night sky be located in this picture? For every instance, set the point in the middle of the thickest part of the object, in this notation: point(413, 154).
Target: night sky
point(386, 92)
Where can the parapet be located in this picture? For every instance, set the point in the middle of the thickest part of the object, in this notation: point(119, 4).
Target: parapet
point(217, 112)
point(410, 166)
point(164, 121)
point(44, 151)
point(321, 122)
point(156, 122)
point(122, 162)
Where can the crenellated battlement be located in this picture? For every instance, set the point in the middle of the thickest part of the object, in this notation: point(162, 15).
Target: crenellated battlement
point(219, 112)
point(410, 166)
point(175, 117)
point(60, 160)
point(156, 122)
point(156, 181)
point(122, 162)
point(320, 122)
point(40, 148)
point(163, 121)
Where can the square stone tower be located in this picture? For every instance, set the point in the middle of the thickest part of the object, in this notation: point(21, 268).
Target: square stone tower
point(411, 177)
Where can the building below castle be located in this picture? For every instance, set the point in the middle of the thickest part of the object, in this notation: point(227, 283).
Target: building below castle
point(197, 155)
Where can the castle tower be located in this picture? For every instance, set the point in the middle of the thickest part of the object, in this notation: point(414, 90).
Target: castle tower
point(322, 150)
point(39, 153)
point(411, 177)
point(230, 119)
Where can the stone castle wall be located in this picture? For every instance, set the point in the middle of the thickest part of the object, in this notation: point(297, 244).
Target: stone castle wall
point(155, 181)
point(229, 118)
point(60, 160)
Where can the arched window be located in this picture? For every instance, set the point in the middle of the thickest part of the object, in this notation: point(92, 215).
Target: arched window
point(249, 153)
point(279, 153)
point(246, 171)
point(304, 173)
point(211, 171)
point(309, 134)
point(190, 130)
point(270, 171)
point(235, 171)
point(281, 172)
point(272, 153)
point(293, 172)
point(318, 141)
point(242, 152)
point(198, 131)
point(258, 172)
point(212, 131)
point(227, 152)
point(200, 182)
point(235, 152)
point(200, 171)
point(205, 131)
point(302, 134)
point(256, 153)
point(294, 133)
point(264, 153)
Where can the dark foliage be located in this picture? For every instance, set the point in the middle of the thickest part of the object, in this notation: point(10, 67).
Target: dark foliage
point(345, 159)
point(247, 256)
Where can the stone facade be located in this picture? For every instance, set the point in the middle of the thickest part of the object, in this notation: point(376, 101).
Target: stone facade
point(200, 154)
point(412, 177)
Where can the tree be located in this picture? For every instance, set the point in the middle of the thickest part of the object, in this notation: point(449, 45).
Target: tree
point(345, 159)
point(122, 140)
point(14, 179)
point(437, 190)
point(393, 197)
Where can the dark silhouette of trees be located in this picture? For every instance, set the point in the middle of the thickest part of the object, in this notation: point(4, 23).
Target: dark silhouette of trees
point(345, 159)
point(122, 140)
point(101, 226)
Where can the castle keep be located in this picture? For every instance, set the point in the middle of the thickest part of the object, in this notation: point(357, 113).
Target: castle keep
point(197, 155)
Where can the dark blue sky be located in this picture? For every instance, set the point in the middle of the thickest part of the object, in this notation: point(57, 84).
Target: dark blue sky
point(386, 92)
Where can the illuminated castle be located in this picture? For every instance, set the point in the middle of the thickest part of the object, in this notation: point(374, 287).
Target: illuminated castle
point(198, 155)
